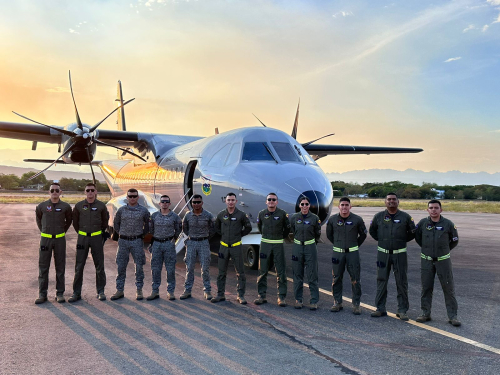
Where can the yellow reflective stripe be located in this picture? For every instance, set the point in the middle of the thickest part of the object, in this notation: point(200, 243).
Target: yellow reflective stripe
point(310, 242)
point(339, 250)
point(52, 236)
point(394, 251)
point(423, 256)
point(233, 245)
point(271, 241)
point(91, 234)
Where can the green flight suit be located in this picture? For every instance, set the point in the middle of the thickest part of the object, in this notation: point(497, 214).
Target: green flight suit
point(437, 239)
point(231, 228)
point(88, 220)
point(274, 227)
point(53, 220)
point(307, 232)
point(346, 235)
point(392, 233)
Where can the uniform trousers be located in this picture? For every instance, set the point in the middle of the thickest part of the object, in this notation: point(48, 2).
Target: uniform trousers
point(444, 271)
point(163, 252)
point(125, 248)
point(82, 252)
point(269, 251)
point(305, 256)
point(341, 261)
point(236, 253)
point(58, 247)
point(399, 263)
point(202, 250)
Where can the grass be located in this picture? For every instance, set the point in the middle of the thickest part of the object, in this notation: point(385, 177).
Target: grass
point(421, 204)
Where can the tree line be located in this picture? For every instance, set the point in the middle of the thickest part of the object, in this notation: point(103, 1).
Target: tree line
point(411, 191)
point(12, 182)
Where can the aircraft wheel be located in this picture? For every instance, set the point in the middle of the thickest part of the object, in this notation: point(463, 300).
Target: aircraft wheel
point(252, 257)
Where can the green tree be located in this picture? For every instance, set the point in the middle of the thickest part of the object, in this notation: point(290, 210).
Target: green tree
point(9, 182)
point(37, 180)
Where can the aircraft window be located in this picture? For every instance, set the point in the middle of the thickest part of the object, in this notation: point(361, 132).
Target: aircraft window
point(256, 151)
point(285, 151)
point(219, 157)
point(234, 154)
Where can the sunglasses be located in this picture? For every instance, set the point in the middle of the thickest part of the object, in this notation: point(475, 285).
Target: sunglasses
point(89, 190)
point(197, 202)
point(55, 190)
point(271, 199)
point(164, 201)
point(132, 196)
point(304, 204)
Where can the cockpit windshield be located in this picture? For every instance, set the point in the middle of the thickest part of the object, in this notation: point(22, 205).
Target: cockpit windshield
point(285, 151)
point(253, 151)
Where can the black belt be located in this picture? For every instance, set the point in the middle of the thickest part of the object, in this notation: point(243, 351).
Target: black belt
point(163, 239)
point(130, 238)
point(198, 238)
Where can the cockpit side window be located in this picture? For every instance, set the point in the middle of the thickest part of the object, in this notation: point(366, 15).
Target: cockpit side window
point(234, 155)
point(219, 157)
point(285, 151)
point(256, 151)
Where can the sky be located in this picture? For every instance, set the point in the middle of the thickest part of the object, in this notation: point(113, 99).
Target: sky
point(378, 73)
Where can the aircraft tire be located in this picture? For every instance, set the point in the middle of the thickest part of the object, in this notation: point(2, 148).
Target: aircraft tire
point(251, 254)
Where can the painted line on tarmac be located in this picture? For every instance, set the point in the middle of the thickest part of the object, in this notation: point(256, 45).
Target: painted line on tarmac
point(415, 323)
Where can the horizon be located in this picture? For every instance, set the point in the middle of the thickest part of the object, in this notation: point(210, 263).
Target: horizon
point(396, 74)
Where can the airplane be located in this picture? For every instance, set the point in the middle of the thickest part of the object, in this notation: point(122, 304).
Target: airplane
point(251, 162)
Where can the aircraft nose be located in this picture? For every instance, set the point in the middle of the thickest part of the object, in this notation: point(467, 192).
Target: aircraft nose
point(319, 203)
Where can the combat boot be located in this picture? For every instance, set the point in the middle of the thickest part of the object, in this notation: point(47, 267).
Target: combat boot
point(171, 296)
point(41, 299)
point(138, 295)
point(378, 314)
point(60, 298)
point(218, 299)
point(313, 306)
point(260, 301)
point(336, 307)
point(75, 297)
point(281, 302)
point(356, 310)
point(208, 296)
point(241, 300)
point(185, 295)
point(455, 322)
point(423, 318)
point(403, 316)
point(101, 296)
point(119, 294)
point(298, 304)
point(154, 295)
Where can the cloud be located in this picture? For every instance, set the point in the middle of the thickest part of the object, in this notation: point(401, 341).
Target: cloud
point(453, 59)
point(485, 27)
point(493, 2)
point(497, 20)
point(58, 89)
point(73, 31)
point(470, 27)
point(343, 14)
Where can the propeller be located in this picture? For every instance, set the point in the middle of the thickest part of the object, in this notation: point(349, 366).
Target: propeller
point(82, 137)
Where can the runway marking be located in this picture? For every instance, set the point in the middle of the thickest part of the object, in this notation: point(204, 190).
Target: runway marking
point(415, 323)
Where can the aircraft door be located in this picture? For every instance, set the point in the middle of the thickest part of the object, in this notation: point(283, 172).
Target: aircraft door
point(188, 179)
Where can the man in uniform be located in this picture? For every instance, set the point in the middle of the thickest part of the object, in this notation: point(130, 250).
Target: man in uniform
point(131, 223)
point(90, 220)
point(306, 228)
point(347, 232)
point(53, 218)
point(198, 225)
point(437, 236)
point(274, 226)
point(231, 224)
point(392, 229)
point(165, 225)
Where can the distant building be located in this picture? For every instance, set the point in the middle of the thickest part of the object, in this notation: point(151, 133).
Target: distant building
point(34, 187)
point(438, 194)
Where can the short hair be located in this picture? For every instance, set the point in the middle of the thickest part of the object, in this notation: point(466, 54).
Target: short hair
point(304, 198)
point(392, 194)
point(91, 184)
point(165, 196)
point(434, 201)
point(231, 194)
point(55, 183)
point(276, 195)
point(197, 196)
point(344, 199)
point(132, 190)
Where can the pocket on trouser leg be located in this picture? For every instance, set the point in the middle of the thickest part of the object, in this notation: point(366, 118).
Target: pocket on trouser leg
point(380, 264)
point(294, 258)
point(221, 256)
point(335, 260)
point(263, 256)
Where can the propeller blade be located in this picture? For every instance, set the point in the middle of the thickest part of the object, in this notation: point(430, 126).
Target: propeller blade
point(71, 134)
point(119, 148)
point(308, 143)
point(296, 123)
point(260, 121)
point(90, 163)
point(116, 109)
point(78, 121)
point(55, 161)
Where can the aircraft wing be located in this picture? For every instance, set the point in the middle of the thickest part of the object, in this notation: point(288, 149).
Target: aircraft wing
point(319, 151)
point(29, 132)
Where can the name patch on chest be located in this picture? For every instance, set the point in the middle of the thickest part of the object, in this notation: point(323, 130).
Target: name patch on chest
point(348, 223)
point(276, 217)
point(94, 208)
point(439, 228)
point(233, 219)
point(307, 222)
point(58, 209)
point(397, 221)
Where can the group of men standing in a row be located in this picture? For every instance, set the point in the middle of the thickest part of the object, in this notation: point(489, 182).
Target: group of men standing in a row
point(392, 229)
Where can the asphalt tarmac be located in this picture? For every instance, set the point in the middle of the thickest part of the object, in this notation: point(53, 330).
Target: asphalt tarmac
point(194, 336)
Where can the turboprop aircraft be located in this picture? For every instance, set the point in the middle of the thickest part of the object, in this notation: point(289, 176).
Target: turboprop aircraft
point(251, 162)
